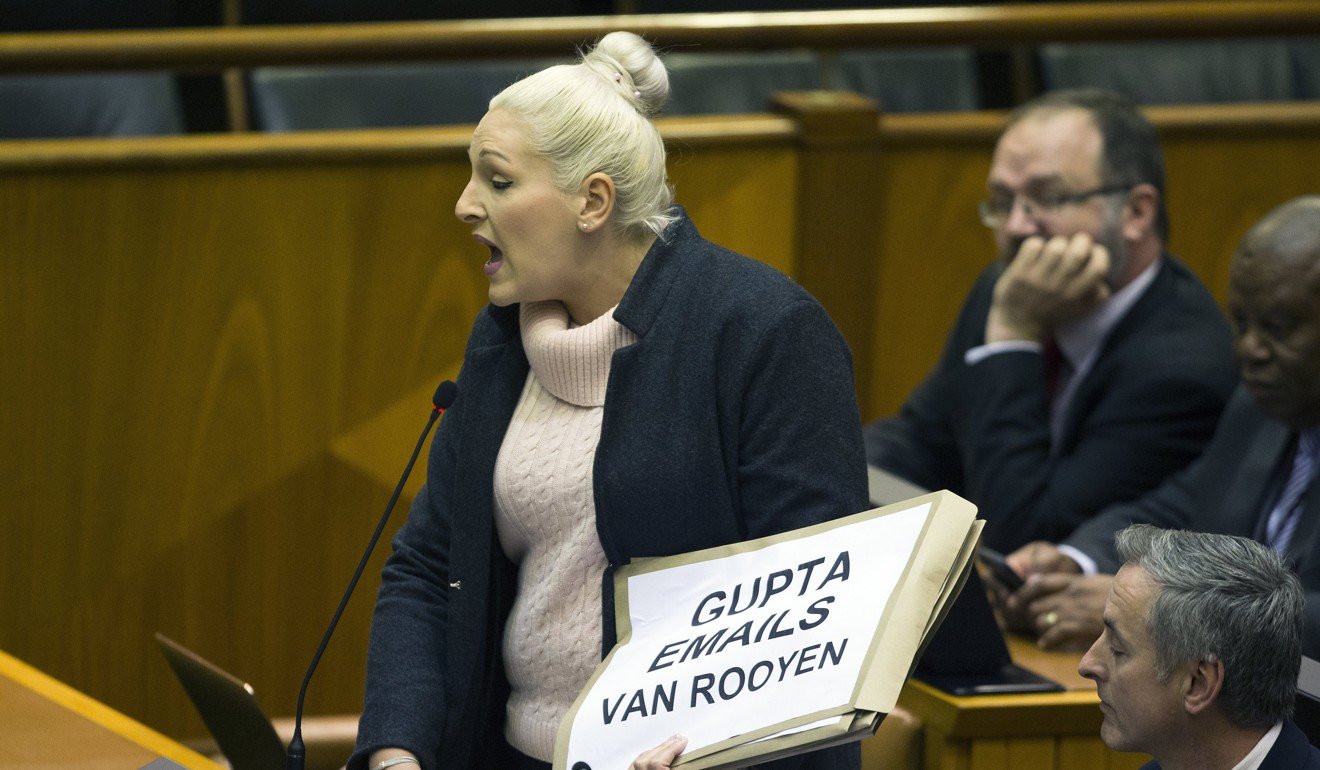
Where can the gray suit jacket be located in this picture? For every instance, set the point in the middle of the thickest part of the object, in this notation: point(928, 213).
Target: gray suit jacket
point(1224, 491)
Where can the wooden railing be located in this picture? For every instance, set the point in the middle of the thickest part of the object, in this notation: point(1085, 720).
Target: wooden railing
point(200, 50)
point(216, 345)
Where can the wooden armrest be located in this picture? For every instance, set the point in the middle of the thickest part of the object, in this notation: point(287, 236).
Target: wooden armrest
point(896, 745)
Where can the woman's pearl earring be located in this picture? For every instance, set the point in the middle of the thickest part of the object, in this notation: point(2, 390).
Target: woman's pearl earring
point(585, 227)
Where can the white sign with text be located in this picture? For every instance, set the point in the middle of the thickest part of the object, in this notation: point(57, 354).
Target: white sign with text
point(752, 642)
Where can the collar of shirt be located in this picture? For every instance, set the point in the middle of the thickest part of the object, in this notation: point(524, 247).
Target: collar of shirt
point(1254, 758)
point(1080, 340)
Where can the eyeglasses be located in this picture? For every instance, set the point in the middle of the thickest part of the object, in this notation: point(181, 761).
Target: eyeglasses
point(995, 211)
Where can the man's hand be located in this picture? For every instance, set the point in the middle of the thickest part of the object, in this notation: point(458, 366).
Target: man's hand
point(1066, 610)
point(1032, 561)
point(1047, 283)
point(660, 757)
point(1041, 558)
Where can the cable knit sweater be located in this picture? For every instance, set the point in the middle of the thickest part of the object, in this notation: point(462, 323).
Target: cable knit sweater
point(546, 519)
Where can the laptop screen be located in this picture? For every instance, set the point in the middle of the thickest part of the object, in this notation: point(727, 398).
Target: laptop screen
point(229, 708)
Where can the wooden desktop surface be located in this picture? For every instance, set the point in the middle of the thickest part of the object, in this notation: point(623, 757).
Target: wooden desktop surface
point(45, 724)
point(1029, 731)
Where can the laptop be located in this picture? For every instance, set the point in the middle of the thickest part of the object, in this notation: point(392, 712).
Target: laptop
point(229, 708)
point(968, 655)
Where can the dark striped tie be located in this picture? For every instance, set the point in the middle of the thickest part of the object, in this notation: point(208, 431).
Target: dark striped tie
point(1286, 512)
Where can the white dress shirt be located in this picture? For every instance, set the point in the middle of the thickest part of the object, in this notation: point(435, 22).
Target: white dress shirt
point(1254, 758)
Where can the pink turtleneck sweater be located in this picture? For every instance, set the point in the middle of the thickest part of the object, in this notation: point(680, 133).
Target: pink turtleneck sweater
point(545, 515)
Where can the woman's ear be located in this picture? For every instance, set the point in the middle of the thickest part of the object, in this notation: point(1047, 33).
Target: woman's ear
point(597, 194)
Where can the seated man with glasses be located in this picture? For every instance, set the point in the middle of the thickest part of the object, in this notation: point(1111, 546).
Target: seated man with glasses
point(1087, 364)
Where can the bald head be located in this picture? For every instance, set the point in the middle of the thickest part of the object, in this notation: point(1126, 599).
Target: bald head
point(1289, 234)
point(1274, 299)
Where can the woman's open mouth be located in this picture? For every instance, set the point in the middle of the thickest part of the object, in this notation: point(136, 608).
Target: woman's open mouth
point(496, 260)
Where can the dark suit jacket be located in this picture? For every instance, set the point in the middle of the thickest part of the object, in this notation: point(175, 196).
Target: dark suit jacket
point(1290, 752)
point(1145, 410)
point(731, 418)
point(1224, 491)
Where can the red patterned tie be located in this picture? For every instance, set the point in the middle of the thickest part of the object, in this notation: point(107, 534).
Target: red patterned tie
point(1053, 360)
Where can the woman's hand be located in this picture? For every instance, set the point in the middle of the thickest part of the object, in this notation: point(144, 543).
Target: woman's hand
point(384, 755)
point(661, 756)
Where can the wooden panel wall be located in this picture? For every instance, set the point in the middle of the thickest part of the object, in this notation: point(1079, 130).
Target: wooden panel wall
point(216, 363)
point(218, 352)
point(931, 247)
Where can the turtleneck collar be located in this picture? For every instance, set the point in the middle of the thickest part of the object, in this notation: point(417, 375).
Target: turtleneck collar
point(571, 362)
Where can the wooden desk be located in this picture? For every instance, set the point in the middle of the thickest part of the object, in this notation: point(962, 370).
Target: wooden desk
point(1012, 732)
point(44, 723)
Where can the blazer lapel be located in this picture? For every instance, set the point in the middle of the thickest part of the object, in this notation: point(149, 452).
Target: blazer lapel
point(492, 380)
point(1240, 509)
point(1142, 313)
point(489, 400)
point(1302, 547)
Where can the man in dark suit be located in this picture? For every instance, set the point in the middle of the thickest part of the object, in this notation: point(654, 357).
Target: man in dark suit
point(1197, 664)
point(1256, 478)
point(1086, 364)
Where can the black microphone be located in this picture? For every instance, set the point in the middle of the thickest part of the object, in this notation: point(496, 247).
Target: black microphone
point(444, 396)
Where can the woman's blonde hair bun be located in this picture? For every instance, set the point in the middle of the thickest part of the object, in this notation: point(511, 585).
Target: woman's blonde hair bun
point(631, 63)
point(595, 116)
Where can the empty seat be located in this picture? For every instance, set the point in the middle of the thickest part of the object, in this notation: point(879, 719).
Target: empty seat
point(911, 80)
point(312, 98)
point(711, 6)
point(349, 11)
point(1305, 58)
point(377, 96)
point(713, 83)
point(1174, 72)
point(102, 104)
point(95, 104)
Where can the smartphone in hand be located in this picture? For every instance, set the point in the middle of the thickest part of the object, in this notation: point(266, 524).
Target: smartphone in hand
point(998, 566)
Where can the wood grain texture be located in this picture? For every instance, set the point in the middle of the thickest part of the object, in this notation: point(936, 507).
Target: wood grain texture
point(48, 724)
point(1017, 732)
point(218, 352)
point(214, 49)
point(215, 370)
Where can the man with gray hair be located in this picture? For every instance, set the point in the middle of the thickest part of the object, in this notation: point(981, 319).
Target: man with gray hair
point(1197, 664)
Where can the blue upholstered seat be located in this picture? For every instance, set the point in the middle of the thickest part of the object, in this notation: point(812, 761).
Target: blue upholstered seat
point(911, 79)
point(374, 96)
point(712, 83)
point(1304, 55)
point(101, 104)
point(1174, 72)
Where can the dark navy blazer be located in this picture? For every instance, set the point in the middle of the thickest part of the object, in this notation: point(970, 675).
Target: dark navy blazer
point(1290, 752)
point(732, 417)
point(1144, 410)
